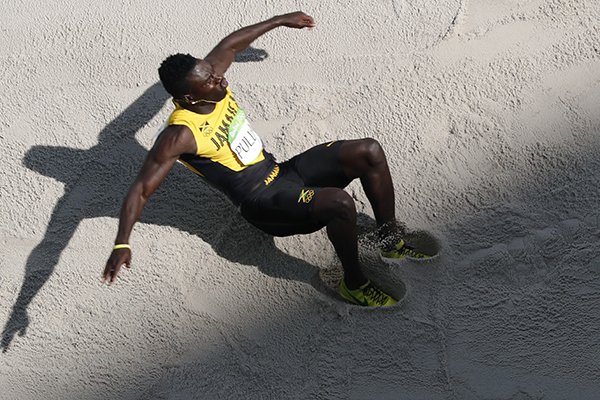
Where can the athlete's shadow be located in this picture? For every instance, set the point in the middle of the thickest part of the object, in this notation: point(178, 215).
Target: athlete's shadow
point(251, 54)
point(97, 179)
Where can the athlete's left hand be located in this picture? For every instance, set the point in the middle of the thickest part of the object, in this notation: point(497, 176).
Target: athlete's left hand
point(296, 20)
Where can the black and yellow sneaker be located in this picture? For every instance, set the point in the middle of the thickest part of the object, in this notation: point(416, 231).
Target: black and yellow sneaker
point(402, 250)
point(367, 295)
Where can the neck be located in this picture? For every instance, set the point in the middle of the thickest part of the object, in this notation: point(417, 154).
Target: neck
point(199, 108)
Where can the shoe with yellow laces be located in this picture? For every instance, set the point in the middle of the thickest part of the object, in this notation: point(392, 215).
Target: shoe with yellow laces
point(402, 250)
point(367, 295)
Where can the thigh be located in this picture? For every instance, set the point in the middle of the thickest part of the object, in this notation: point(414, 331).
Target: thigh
point(284, 209)
point(321, 166)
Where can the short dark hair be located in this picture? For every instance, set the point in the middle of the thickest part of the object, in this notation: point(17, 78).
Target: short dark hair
point(173, 71)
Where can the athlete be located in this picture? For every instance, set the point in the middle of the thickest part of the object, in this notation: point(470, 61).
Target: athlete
point(209, 133)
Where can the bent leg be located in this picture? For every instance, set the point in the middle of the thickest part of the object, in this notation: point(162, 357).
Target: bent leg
point(293, 209)
point(337, 163)
point(365, 159)
point(335, 208)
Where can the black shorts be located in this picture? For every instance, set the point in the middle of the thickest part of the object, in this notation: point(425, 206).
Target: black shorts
point(283, 207)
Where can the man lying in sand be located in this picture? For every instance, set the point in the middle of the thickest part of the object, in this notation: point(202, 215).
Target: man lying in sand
point(209, 133)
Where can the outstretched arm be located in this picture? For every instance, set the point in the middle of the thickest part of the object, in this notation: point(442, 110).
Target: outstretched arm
point(173, 142)
point(223, 54)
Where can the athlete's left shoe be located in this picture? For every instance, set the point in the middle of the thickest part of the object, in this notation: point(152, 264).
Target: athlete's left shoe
point(402, 250)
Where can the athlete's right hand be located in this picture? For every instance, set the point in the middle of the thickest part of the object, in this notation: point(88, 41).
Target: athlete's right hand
point(117, 259)
point(296, 20)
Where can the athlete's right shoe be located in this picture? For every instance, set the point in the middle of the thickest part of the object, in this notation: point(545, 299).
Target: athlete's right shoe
point(367, 295)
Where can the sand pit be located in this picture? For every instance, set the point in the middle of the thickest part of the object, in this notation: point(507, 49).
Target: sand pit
point(489, 112)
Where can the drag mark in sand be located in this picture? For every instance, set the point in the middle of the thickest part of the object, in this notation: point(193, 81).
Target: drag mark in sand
point(459, 12)
point(397, 8)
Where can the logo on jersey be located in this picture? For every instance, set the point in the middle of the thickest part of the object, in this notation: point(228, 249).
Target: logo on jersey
point(306, 196)
point(272, 175)
point(206, 130)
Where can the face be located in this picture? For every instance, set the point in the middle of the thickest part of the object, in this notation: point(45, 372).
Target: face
point(204, 84)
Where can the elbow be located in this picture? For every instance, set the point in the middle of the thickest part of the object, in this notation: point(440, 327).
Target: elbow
point(138, 195)
point(145, 194)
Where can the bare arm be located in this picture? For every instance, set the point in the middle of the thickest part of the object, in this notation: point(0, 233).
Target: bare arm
point(173, 142)
point(223, 54)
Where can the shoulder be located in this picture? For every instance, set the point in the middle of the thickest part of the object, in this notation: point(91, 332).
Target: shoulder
point(181, 116)
point(175, 140)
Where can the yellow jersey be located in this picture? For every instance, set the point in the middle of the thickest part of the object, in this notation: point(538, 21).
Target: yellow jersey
point(230, 155)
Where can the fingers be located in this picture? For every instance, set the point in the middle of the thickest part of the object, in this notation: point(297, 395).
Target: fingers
point(117, 259)
point(298, 20)
point(306, 21)
point(309, 21)
point(110, 273)
point(113, 274)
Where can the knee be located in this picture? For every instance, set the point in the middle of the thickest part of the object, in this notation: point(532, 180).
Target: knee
point(372, 151)
point(335, 203)
point(344, 205)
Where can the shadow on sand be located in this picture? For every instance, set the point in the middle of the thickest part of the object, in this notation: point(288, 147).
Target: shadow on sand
point(96, 180)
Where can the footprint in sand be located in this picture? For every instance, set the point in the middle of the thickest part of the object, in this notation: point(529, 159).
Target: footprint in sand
point(383, 274)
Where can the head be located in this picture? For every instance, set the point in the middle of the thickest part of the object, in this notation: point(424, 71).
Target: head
point(191, 81)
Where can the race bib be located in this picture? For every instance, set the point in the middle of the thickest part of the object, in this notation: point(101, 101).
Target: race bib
point(242, 139)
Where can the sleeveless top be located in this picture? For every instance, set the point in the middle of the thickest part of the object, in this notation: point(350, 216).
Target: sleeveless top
point(230, 155)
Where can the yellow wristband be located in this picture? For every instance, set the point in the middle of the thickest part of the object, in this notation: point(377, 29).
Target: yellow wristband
point(122, 246)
